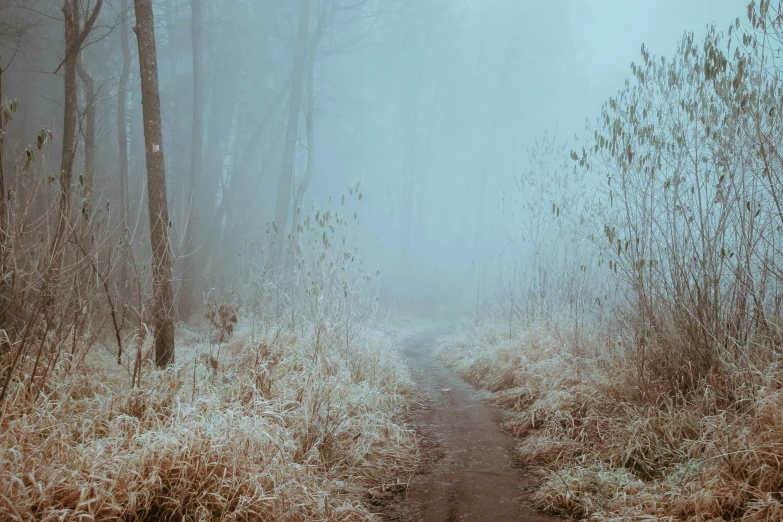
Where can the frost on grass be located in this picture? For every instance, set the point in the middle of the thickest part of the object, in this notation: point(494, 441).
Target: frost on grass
point(284, 431)
point(609, 454)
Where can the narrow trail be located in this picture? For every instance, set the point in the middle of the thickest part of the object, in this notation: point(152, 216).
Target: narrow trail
point(472, 476)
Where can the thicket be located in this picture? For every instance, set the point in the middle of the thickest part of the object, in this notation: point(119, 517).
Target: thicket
point(688, 151)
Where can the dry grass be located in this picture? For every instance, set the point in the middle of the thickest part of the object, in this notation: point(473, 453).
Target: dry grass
point(282, 431)
point(611, 454)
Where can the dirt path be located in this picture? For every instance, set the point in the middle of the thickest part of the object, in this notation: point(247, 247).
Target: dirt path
point(473, 477)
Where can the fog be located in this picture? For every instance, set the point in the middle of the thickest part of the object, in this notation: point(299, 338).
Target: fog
point(391, 260)
point(432, 107)
point(436, 114)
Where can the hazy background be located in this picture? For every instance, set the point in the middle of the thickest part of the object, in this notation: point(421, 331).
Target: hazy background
point(493, 78)
point(430, 105)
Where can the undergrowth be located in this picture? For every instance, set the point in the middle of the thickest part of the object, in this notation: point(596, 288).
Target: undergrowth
point(610, 453)
point(278, 428)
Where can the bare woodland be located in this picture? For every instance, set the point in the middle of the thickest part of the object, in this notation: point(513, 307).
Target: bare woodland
point(231, 231)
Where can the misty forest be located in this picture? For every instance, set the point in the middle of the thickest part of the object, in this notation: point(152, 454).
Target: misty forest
point(391, 260)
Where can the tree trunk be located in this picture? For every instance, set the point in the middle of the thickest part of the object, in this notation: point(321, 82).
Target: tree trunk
point(309, 122)
point(71, 21)
point(3, 225)
point(89, 135)
point(196, 164)
point(75, 37)
point(3, 222)
point(156, 185)
point(284, 190)
point(122, 137)
point(310, 169)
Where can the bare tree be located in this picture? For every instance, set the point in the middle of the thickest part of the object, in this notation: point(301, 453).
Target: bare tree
point(309, 169)
point(3, 212)
point(75, 37)
point(122, 131)
point(196, 158)
point(284, 196)
point(304, 184)
point(156, 185)
point(88, 133)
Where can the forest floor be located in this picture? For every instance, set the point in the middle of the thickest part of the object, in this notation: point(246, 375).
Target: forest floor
point(468, 471)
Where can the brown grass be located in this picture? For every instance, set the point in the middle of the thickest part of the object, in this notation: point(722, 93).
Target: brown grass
point(278, 433)
point(611, 454)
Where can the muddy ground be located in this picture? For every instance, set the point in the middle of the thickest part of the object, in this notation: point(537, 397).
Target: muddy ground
point(469, 473)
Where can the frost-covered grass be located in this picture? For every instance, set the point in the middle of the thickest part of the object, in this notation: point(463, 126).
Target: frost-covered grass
point(287, 429)
point(610, 454)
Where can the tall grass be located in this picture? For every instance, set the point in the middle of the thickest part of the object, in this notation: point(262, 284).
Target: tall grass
point(274, 434)
point(607, 452)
